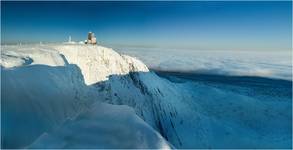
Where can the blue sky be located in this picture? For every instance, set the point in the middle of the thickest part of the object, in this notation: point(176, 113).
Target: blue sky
point(192, 25)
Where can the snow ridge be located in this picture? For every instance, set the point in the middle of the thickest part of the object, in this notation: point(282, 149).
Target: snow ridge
point(67, 88)
point(72, 82)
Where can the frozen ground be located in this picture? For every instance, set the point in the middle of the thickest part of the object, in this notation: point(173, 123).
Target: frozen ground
point(84, 96)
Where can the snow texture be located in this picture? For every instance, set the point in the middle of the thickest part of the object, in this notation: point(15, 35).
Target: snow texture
point(74, 96)
point(104, 126)
point(44, 96)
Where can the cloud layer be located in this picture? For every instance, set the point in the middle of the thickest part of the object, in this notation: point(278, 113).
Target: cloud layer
point(271, 64)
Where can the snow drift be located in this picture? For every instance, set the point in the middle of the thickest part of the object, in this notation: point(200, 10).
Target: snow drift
point(103, 126)
point(53, 94)
point(41, 98)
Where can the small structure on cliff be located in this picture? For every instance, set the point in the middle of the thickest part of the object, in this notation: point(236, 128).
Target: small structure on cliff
point(91, 39)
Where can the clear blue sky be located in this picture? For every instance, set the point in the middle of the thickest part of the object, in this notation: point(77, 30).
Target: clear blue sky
point(195, 25)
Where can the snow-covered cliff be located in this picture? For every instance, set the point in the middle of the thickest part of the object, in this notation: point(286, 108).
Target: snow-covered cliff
point(48, 89)
point(89, 96)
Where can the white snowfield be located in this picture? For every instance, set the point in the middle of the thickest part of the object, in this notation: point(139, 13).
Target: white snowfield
point(103, 126)
point(85, 96)
point(48, 101)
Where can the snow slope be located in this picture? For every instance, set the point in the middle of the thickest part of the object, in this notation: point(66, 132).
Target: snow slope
point(42, 98)
point(103, 126)
point(82, 78)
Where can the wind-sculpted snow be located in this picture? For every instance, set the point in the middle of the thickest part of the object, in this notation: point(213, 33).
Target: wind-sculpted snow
point(60, 92)
point(103, 126)
point(36, 99)
point(39, 100)
point(19, 55)
point(97, 62)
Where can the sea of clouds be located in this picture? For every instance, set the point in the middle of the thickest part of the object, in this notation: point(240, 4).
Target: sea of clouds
point(271, 64)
